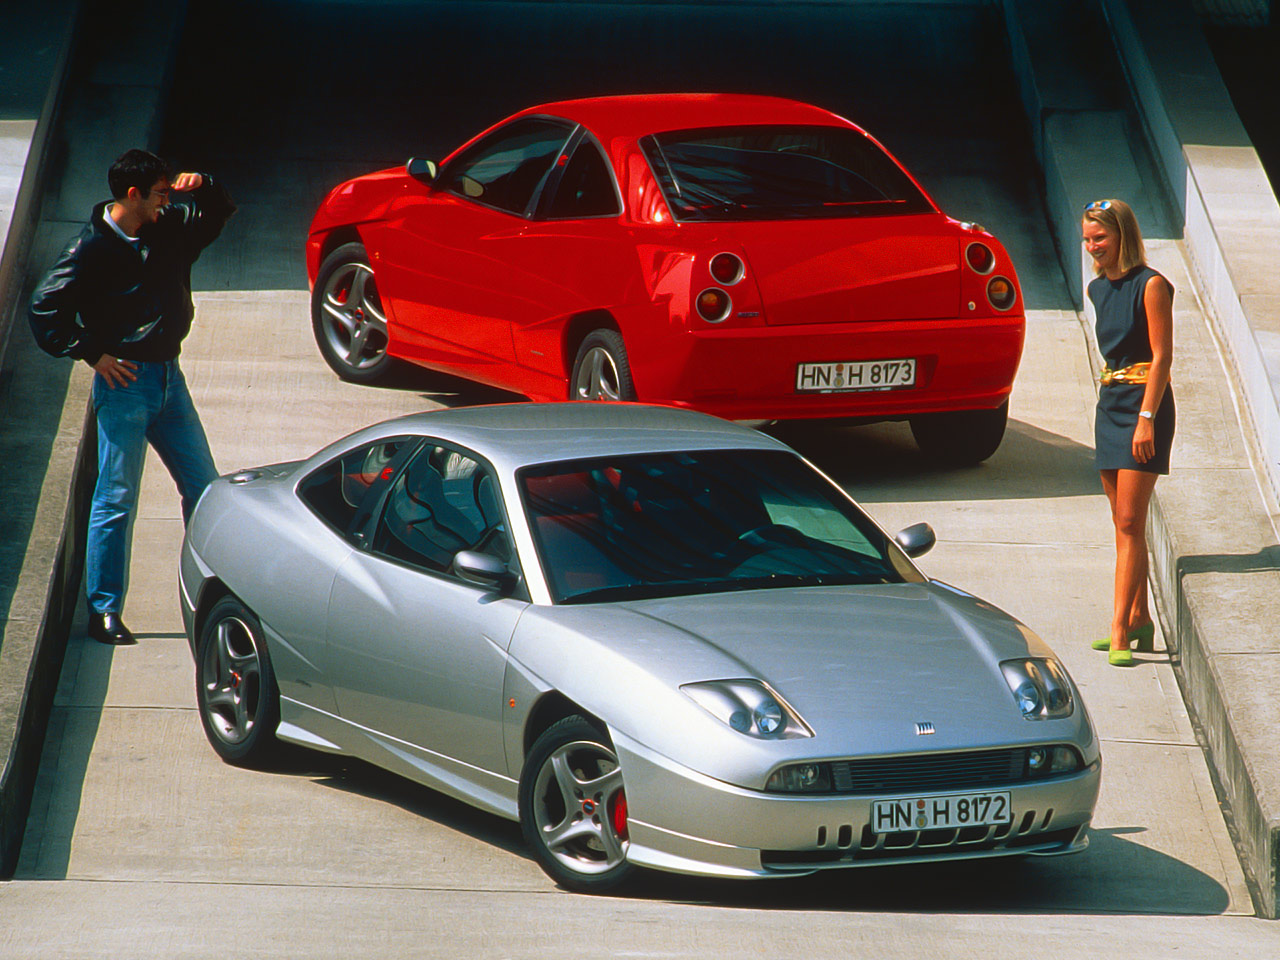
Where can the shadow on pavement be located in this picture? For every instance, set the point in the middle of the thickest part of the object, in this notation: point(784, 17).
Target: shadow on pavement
point(68, 747)
point(1129, 877)
point(880, 463)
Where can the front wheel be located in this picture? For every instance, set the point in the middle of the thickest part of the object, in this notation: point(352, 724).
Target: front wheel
point(962, 438)
point(347, 318)
point(236, 691)
point(601, 371)
point(573, 809)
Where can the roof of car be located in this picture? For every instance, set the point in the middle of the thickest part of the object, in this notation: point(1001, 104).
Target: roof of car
point(637, 115)
point(518, 434)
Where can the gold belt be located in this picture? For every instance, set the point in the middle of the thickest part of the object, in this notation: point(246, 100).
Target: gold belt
point(1134, 373)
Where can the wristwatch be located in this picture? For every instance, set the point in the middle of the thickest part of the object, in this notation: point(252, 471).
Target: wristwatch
point(1146, 414)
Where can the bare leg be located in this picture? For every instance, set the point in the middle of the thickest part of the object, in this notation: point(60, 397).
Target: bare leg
point(1129, 492)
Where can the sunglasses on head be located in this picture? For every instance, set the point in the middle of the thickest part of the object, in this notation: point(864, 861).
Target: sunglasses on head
point(1098, 205)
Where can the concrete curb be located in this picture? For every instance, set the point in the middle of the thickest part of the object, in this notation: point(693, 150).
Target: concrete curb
point(31, 646)
point(26, 205)
point(1216, 566)
point(1219, 600)
point(48, 575)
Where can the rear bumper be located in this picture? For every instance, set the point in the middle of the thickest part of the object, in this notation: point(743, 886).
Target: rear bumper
point(689, 823)
point(750, 372)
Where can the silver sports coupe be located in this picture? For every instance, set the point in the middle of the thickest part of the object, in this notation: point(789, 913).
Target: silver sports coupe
point(654, 638)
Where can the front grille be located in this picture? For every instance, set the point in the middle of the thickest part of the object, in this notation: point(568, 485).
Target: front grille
point(1032, 833)
point(932, 771)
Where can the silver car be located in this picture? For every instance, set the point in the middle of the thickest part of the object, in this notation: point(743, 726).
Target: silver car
point(654, 638)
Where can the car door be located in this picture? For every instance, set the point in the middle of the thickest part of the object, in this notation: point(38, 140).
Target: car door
point(448, 260)
point(584, 257)
point(304, 564)
point(418, 654)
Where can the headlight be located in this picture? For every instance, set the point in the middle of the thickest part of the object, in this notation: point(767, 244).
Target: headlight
point(1050, 761)
point(801, 778)
point(1040, 688)
point(749, 707)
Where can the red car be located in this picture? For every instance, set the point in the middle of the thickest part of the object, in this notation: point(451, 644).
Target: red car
point(747, 256)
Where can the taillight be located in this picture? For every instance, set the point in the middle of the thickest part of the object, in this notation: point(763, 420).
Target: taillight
point(727, 268)
point(980, 258)
point(1001, 293)
point(713, 305)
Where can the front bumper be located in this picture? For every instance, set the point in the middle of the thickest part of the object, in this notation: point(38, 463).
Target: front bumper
point(749, 373)
point(685, 822)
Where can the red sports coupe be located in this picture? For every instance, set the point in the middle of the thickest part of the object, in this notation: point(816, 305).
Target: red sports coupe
point(747, 256)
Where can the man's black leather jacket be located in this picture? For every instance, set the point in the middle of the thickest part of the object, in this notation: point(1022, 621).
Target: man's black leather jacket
point(105, 296)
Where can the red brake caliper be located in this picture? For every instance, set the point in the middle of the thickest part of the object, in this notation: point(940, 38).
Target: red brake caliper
point(618, 813)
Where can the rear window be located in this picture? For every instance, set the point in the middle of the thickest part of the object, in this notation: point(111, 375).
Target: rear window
point(779, 173)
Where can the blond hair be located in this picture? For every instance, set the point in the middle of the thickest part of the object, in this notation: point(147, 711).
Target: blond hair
point(1117, 217)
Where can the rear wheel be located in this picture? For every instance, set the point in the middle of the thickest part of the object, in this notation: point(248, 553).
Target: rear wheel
point(236, 689)
point(961, 438)
point(347, 318)
point(601, 371)
point(573, 809)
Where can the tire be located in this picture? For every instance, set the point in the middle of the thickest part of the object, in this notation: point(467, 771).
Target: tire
point(961, 439)
point(236, 690)
point(573, 807)
point(347, 318)
point(600, 370)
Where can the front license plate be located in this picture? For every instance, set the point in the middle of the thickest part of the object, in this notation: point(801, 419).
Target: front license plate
point(855, 375)
point(932, 813)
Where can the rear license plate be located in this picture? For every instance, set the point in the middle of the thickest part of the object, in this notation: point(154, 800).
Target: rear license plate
point(855, 375)
point(933, 813)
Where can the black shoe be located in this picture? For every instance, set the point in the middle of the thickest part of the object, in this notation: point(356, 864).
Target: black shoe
point(109, 628)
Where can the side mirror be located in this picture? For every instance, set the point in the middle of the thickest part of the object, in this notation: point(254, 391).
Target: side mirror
point(916, 540)
point(423, 170)
point(482, 569)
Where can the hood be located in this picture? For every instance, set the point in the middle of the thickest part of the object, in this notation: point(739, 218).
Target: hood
point(848, 657)
point(861, 665)
point(836, 271)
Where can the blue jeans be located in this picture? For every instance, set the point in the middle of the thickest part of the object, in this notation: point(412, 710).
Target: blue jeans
point(157, 409)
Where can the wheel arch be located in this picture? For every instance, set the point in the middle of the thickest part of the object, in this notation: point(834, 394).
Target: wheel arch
point(551, 708)
point(211, 592)
point(576, 330)
point(336, 238)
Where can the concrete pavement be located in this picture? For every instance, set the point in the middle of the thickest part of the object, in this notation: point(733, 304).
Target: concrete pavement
point(203, 836)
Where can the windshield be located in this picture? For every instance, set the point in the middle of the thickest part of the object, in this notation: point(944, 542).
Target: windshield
point(673, 524)
point(779, 173)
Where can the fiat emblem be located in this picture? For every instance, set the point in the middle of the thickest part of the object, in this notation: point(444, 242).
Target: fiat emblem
point(924, 729)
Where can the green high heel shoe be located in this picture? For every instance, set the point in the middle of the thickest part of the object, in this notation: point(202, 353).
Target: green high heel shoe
point(1120, 658)
point(1143, 639)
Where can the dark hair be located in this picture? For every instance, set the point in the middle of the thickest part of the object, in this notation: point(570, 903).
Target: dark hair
point(136, 168)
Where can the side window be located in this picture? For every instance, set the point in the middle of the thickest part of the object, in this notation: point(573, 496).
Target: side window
point(505, 168)
point(586, 187)
point(336, 491)
point(443, 502)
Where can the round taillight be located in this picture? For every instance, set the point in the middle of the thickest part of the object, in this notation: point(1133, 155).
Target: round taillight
point(713, 305)
point(1001, 293)
point(727, 268)
point(980, 258)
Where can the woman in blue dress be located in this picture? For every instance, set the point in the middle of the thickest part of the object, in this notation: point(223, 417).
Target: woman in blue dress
point(1133, 428)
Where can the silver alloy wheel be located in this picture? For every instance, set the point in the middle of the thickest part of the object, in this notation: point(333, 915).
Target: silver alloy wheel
point(597, 376)
point(573, 798)
point(231, 675)
point(354, 324)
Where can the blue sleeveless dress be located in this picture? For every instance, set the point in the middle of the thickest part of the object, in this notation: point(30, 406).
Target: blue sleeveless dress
point(1123, 339)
